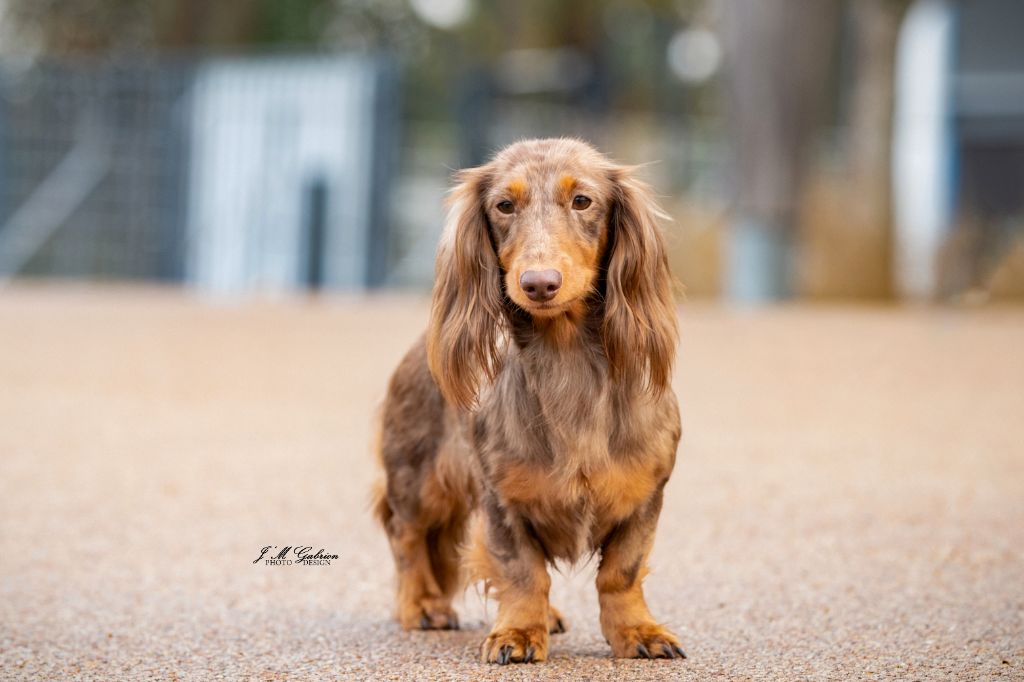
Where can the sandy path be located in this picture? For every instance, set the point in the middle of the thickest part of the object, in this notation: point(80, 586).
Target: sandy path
point(848, 503)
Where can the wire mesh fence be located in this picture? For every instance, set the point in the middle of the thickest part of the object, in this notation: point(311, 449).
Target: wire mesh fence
point(91, 169)
point(231, 173)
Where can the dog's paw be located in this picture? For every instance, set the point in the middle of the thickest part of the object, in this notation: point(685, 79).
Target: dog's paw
point(429, 614)
point(556, 621)
point(516, 645)
point(645, 641)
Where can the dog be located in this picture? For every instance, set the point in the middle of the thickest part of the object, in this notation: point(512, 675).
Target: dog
point(535, 420)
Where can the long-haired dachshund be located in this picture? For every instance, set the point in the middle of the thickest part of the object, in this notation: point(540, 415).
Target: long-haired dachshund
point(535, 421)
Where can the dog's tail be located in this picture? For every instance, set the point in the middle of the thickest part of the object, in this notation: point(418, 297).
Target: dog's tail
point(379, 506)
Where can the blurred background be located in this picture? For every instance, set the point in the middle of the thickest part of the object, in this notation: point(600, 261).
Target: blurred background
point(849, 497)
point(859, 149)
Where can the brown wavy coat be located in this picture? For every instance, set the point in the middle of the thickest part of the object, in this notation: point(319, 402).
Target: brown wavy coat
point(530, 426)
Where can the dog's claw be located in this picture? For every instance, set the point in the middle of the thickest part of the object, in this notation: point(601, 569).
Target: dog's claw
point(424, 622)
point(645, 640)
point(516, 645)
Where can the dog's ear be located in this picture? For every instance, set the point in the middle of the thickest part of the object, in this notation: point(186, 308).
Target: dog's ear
point(639, 326)
point(466, 318)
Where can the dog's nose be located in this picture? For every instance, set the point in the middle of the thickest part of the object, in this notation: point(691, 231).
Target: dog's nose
point(541, 285)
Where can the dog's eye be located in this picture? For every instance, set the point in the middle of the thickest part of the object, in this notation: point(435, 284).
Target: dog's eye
point(580, 202)
point(506, 206)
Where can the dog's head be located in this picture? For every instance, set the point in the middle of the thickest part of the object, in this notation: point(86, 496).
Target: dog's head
point(550, 228)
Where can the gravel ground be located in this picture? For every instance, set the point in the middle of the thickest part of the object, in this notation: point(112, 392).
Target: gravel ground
point(848, 501)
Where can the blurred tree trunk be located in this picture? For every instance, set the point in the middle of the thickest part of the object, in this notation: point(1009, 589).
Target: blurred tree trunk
point(875, 25)
point(848, 219)
point(780, 52)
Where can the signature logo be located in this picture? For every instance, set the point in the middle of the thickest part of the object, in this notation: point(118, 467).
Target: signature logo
point(294, 556)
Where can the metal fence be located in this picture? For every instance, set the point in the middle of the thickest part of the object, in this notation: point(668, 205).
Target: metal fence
point(269, 173)
point(233, 174)
point(91, 169)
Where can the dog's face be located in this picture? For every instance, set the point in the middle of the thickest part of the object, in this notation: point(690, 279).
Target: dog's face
point(540, 228)
point(548, 206)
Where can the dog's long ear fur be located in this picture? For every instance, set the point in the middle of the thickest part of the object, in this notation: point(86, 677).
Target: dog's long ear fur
point(467, 318)
point(639, 326)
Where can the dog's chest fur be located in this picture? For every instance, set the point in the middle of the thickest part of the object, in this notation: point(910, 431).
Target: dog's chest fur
point(563, 451)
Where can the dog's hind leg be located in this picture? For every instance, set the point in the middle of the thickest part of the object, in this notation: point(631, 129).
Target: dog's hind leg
point(422, 600)
point(443, 544)
point(426, 555)
point(423, 502)
point(423, 543)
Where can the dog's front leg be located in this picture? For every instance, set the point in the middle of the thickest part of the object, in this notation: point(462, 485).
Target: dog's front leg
point(626, 621)
point(517, 571)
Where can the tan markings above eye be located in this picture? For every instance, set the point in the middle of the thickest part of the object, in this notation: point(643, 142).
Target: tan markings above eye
point(506, 206)
point(580, 202)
